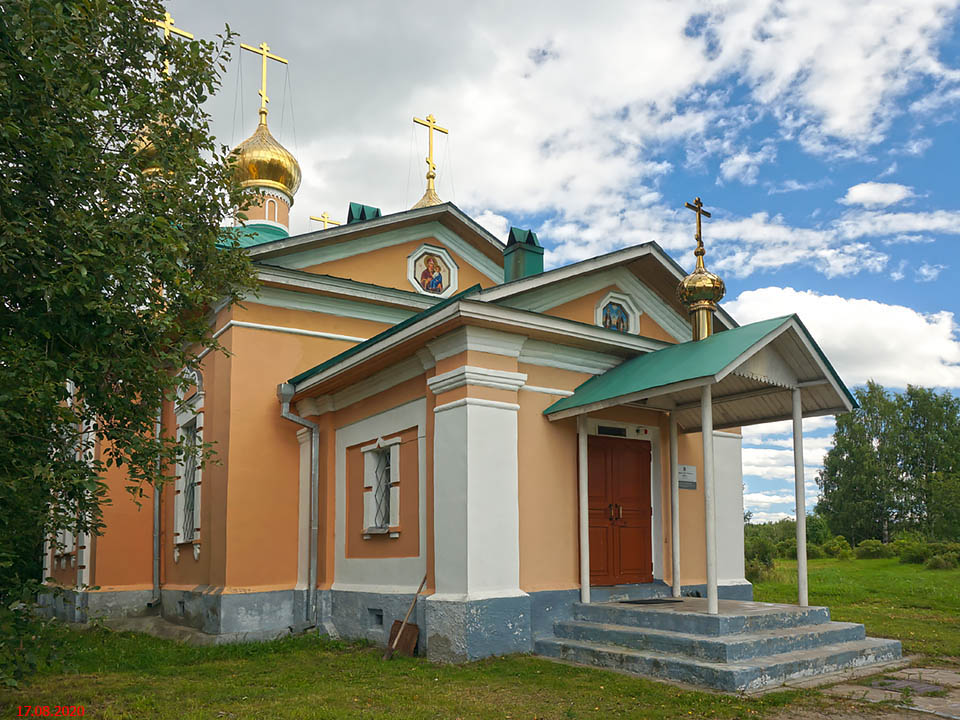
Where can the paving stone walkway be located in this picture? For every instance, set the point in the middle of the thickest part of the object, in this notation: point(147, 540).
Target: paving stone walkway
point(935, 691)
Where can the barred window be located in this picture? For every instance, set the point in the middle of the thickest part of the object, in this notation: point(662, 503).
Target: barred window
point(381, 486)
point(188, 524)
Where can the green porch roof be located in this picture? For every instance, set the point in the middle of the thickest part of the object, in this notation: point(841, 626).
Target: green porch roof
point(678, 363)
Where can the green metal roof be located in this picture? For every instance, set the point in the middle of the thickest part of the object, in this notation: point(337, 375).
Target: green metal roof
point(382, 336)
point(678, 363)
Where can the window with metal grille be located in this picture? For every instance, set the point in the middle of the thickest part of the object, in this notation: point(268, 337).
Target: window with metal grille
point(188, 528)
point(381, 487)
point(381, 490)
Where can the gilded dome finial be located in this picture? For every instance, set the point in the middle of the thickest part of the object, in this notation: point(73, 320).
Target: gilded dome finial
point(430, 197)
point(701, 290)
point(261, 161)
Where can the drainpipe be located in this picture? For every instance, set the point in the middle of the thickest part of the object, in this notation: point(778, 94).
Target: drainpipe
point(155, 601)
point(285, 393)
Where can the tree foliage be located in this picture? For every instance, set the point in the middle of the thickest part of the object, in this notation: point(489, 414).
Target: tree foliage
point(894, 466)
point(107, 274)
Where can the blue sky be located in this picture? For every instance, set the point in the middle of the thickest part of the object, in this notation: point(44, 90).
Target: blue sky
point(822, 136)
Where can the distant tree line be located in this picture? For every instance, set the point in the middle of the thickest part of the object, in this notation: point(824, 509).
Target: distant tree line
point(894, 467)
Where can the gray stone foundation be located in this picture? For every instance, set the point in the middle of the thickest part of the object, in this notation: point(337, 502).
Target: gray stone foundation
point(450, 630)
point(460, 631)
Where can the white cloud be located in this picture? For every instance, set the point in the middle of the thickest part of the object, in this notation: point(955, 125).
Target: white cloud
point(498, 225)
point(929, 273)
point(860, 224)
point(831, 77)
point(764, 517)
point(865, 339)
point(744, 165)
point(889, 171)
point(906, 239)
point(874, 194)
point(789, 186)
point(766, 499)
point(897, 274)
point(914, 148)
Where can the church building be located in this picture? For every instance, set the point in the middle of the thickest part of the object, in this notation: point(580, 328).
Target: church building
point(407, 402)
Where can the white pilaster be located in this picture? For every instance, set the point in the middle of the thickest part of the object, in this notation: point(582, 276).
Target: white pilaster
point(476, 504)
point(675, 504)
point(584, 508)
point(803, 598)
point(709, 497)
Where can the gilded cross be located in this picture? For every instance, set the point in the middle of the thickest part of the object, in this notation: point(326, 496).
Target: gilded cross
point(325, 219)
point(697, 207)
point(431, 124)
point(168, 28)
point(264, 52)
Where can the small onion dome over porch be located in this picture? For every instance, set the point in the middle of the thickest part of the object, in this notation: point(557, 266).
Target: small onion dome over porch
point(752, 369)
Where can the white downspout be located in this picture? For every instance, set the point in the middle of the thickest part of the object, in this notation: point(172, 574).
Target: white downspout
point(285, 393)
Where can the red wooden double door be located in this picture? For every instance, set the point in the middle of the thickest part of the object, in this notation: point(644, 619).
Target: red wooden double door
point(620, 511)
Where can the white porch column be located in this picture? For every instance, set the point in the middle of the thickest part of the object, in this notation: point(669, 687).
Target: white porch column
point(803, 598)
point(709, 497)
point(675, 504)
point(583, 494)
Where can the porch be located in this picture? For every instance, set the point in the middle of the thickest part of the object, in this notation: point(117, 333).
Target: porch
point(758, 373)
point(742, 647)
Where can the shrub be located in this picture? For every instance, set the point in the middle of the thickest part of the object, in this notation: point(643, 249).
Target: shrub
point(941, 562)
point(787, 549)
point(944, 548)
point(838, 547)
point(874, 549)
point(815, 552)
point(915, 552)
point(760, 549)
point(755, 571)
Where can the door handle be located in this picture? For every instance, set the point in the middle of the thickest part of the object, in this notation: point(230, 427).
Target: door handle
point(620, 509)
point(610, 510)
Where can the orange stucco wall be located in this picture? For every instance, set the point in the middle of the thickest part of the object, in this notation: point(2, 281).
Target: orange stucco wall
point(123, 555)
point(388, 266)
point(258, 211)
point(583, 309)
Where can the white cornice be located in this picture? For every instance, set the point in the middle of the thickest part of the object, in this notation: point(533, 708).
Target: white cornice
point(478, 339)
point(483, 377)
point(298, 280)
point(369, 243)
point(564, 357)
point(377, 383)
point(566, 332)
point(477, 402)
point(337, 306)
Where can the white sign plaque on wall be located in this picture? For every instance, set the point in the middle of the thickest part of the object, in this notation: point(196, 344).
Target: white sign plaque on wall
point(688, 477)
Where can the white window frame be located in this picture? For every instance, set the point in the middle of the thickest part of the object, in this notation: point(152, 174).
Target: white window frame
point(189, 411)
point(371, 487)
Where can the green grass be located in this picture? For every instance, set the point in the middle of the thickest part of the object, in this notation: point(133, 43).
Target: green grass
point(919, 607)
point(121, 675)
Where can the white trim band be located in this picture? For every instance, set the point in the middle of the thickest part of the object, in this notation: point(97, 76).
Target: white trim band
point(476, 401)
point(547, 390)
point(483, 377)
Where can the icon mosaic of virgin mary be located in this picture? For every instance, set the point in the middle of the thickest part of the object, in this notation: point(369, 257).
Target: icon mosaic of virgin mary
point(431, 279)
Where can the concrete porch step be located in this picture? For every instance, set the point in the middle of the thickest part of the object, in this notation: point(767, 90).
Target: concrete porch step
point(714, 648)
point(691, 616)
point(744, 676)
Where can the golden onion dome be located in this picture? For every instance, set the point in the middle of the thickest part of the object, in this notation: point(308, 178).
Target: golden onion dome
point(264, 162)
point(701, 287)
